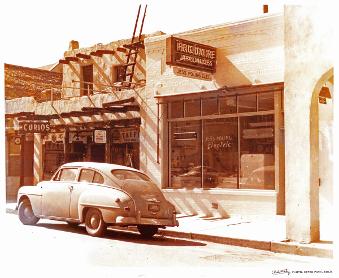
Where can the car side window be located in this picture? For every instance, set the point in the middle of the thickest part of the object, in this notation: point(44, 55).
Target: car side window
point(86, 175)
point(68, 174)
point(98, 178)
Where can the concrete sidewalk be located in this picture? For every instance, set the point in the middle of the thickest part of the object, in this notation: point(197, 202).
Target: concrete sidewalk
point(266, 233)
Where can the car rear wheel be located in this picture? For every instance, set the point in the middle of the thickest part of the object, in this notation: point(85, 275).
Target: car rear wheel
point(95, 225)
point(26, 214)
point(147, 231)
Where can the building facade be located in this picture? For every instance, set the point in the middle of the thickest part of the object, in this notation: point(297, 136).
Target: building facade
point(212, 115)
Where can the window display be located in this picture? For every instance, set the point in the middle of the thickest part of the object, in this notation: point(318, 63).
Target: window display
point(226, 147)
point(185, 154)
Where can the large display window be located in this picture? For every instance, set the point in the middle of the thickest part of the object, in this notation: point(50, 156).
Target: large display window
point(222, 142)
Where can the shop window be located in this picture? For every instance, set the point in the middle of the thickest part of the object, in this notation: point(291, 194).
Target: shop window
point(210, 106)
point(220, 153)
point(192, 108)
point(176, 110)
point(14, 156)
point(257, 152)
point(87, 80)
point(247, 103)
point(228, 105)
point(185, 154)
point(266, 101)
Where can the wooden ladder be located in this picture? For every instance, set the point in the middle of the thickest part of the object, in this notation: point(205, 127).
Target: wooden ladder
point(132, 51)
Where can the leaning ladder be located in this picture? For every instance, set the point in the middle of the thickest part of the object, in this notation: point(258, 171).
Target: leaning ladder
point(133, 50)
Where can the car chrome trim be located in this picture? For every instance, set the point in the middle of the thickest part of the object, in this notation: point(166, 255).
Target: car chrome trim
point(98, 206)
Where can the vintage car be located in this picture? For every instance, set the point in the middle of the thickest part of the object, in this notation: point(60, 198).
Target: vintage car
point(98, 195)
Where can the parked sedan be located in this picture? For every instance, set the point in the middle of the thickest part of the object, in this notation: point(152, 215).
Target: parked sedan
point(98, 195)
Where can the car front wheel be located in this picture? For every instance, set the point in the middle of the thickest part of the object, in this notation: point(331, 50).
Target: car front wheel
point(95, 225)
point(147, 231)
point(26, 214)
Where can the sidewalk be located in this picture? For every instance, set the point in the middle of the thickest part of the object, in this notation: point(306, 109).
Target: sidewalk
point(265, 234)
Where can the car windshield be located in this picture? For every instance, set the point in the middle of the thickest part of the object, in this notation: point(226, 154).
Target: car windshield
point(129, 175)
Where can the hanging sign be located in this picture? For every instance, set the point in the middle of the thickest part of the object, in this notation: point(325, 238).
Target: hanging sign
point(192, 73)
point(99, 136)
point(189, 54)
point(126, 135)
point(34, 127)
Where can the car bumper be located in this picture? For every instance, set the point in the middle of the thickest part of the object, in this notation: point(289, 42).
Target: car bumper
point(146, 221)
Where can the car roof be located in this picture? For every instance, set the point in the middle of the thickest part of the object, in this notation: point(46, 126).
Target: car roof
point(106, 167)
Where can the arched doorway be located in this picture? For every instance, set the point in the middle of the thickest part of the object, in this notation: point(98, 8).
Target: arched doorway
point(322, 139)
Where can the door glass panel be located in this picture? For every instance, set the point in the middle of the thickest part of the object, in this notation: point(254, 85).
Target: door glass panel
point(257, 152)
point(247, 103)
point(185, 148)
point(220, 153)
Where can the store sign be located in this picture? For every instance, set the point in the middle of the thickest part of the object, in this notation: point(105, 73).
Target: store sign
point(34, 127)
point(100, 136)
point(192, 73)
point(78, 137)
point(189, 54)
point(126, 135)
point(55, 137)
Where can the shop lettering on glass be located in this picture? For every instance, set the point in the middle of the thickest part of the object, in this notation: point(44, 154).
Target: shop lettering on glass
point(189, 54)
point(126, 135)
point(34, 127)
point(219, 143)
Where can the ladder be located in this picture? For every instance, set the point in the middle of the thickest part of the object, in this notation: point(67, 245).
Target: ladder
point(132, 51)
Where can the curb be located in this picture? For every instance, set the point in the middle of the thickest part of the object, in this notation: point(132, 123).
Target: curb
point(277, 247)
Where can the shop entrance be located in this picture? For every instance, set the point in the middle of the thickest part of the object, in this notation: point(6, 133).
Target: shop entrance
point(125, 147)
point(325, 110)
point(97, 152)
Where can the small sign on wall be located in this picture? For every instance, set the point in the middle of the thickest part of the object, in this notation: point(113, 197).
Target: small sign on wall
point(100, 136)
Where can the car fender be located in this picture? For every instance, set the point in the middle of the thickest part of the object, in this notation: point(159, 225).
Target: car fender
point(33, 193)
point(112, 202)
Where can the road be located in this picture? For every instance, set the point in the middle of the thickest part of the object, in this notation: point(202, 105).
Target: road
point(53, 248)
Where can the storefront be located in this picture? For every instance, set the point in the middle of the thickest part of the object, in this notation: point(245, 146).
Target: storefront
point(224, 140)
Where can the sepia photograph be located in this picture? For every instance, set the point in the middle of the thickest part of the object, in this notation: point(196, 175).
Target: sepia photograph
point(164, 138)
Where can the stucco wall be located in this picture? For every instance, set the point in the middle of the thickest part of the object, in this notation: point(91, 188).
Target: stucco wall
point(308, 57)
point(248, 52)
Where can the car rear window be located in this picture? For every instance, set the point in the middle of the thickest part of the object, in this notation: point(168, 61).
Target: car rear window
point(129, 175)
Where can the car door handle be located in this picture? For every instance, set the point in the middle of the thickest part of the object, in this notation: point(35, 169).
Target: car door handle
point(70, 187)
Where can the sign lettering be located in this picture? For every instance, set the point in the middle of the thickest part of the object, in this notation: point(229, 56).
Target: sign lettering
point(189, 54)
point(34, 127)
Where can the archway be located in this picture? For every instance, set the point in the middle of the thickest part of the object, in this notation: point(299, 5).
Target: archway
point(322, 150)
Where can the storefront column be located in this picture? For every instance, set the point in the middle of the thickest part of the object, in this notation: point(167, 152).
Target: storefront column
point(67, 146)
point(308, 33)
point(108, 146)
point(37, 158)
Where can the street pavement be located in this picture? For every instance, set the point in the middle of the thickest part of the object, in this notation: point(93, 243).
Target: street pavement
point(265, 233)
point(55, 249)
